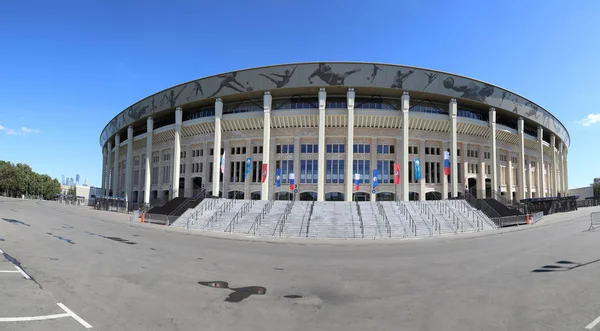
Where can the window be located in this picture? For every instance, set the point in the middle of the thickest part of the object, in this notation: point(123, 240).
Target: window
point(287, 167)
point(257, 149)
point(182, 155)
point(212, 152)
point(361, 148)
point(308, 148)
point(201, 164)
point(236, 171)
point(154, 176)
point(386, 170)
point(284, 149)
point(155, 159)
point(363, 168)
point(136, 177)
point(335, 148)
point(386, 149)
point(182, 168)
point(334, 171)
point(166, 174)
point(308, 171)
point(166, 157)
point(256, 171)
point(413, 150)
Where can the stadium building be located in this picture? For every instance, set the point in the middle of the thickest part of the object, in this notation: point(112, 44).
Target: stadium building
point(339, 131)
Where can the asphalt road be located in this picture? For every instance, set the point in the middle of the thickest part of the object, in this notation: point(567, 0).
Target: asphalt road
point(117, 275)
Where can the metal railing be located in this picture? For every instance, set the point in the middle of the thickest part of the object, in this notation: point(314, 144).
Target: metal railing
point(245, 208)
point(376, 220)
point(209, 204)
point(381, 211)
point(215, 217)
point(360, 219)
point(310, 212)
point(259, 218)
point(283, 217)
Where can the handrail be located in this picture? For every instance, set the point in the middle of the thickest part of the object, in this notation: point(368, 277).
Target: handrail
point(258, 220)
point(204, 207)
point(451, 210)
point(283, 217)
point(376, 220)
point(312, 207)
point(360, 219)
point(405, 232)
point(303, 218)
point(454, 229)
point(481, 205)
point(381, 211)
point(245, 208)
point(223, 209)
point(435, 221)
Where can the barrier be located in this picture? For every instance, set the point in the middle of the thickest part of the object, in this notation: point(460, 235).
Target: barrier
point(594, 220)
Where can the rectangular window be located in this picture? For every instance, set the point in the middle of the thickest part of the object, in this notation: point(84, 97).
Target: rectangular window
point(410, 172)
point(309, 171)
point(367, 148)
point(386, 149)
point(303, 148)
point(283, 149)
point(392, 149)
point(355, 148)
point(361, 148)
point(334, 175)
point(416, 150)
point(309, 148)
point(210, 172)
point(379, 149)
point(410, 151)
point(278, 149)
point(315, 171)
point(212, 151)
point(315, 148)
point(291, 149)
point(243, 150)
point(202, 152)
point(329, 148)
point(238, 150)
point(255, 149)
point(335, 148)
point(342, 149)
point(426, 150)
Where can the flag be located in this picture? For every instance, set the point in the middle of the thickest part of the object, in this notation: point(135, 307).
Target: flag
point(223, 163)
point(375, 179)
point(396, 173)
point(356, 181)
point(292, 186)
point(417, 169)
point(248, 166)
point(446, 163)
point(264, 172)
point(278, 177)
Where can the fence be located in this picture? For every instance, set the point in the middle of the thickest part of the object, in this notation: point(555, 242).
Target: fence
point(110, 204)
point(283, 218)
point(258, 220)
point(245, 208)
point(360, 219)
point(386, 222)
point(594, 220)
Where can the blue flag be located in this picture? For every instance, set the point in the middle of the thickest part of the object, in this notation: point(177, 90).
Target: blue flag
point(248, 166)
point(375, 178)
point(278, 178)
point(417, 169)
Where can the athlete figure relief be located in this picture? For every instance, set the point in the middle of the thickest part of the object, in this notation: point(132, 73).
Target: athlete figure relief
point(135, 112)
point(172, 98)
point(430, 78)
point(285, 78)
point(197, 88)
point(400, 78)
point(228, 80)
point(471, 90)
point(374, 73)
point(324, 72)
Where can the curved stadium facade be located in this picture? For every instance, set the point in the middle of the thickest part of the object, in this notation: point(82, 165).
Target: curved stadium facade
point(327, 124)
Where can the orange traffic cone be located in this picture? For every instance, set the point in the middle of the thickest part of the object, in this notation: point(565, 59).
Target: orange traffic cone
point(143, 217)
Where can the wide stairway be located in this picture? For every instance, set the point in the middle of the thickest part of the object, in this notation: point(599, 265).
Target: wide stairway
point(335, 220)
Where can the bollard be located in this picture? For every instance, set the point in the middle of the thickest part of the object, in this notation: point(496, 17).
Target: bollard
point(143, 217)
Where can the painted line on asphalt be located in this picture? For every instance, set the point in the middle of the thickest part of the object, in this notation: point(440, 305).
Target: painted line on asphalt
point(23, 272)
point(33, 318)
point(7, 271)
point(1, 252)
point(594, 322)
point(72, 314)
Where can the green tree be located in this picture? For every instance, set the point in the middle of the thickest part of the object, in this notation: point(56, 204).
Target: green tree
point(597, 190)
point(19, 179)
point(72, 191)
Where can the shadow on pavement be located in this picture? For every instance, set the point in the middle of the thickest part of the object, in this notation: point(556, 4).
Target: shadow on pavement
point(13, 221)
point(239, 293)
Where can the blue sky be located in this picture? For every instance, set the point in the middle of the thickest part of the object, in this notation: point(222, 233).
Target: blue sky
point(68, 67)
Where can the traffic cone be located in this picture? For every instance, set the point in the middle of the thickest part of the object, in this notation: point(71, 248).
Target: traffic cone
point(143, 217)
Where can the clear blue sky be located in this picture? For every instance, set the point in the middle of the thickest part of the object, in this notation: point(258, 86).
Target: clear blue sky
point(68, 67)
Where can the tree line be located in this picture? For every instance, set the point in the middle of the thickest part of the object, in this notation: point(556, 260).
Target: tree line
point(19, 179)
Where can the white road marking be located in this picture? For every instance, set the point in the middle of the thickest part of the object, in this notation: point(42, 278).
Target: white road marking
point(72, 314)
point(9, 270)
point(33, 318)
point(1, 252)
point(594, 322)
point(23, 272)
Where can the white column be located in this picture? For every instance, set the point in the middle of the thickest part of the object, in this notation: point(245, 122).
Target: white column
point(129, 164)
point(217, 148)
point(561, 182)
point(176, 153)
point(566, 172)
point(444, 178)
point(104, 167)
point(529, 178)
point(453, 149)
point(321, 168)
point(521, 166)
point(226, 168)
point(116, 173)
point(297, 167)
point(267, 101)
point(465, 162)
point(494, 150)
point(248, 178)
point(405, 105)
point(398, 159)
point(481, 194)
point(349, 145)
point(109, 170)
point(374, 157)
point(554, 173)
point(540, 163)
point(424, 174)
point(148, 173)
point(510, 175)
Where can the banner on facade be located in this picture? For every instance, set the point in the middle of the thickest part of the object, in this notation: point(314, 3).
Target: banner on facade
point(417, 169)
point(248, 166)
point(264, 172)
point(278, 177)
point(292, 179)
point(396, 173)
point(446, 163)
point(223, 163)
point(356, 181)
point(375, 178)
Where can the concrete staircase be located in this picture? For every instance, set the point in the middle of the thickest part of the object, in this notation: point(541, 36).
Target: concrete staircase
point(372, 221)
point(296, 219)
point(398, 223)
point(197, 217)
point(267, 226)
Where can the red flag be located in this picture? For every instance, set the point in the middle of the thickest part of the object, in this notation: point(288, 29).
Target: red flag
point(264, 173)
point(396, 173)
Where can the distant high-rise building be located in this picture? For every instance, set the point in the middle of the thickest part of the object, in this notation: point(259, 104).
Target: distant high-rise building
point(63, 180)
point(77, 179)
